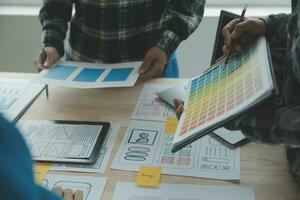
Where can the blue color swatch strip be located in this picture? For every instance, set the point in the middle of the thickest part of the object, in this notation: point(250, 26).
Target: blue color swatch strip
point(60, 72)
point(118, 74)
point(89, 75)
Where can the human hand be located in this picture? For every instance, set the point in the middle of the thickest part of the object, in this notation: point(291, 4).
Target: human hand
point(154, 63)
point(67, 194)
point(52, 57)
point(242, 33)
point(179, 107)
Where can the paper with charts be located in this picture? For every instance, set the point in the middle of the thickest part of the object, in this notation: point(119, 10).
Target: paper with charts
point(182, 192)
point(223, 92)
point(146, 144)
point(103, 156)
point(58, 142)
point(16, 95)
point(150, 106)
point(92, 187)
point(90, 75)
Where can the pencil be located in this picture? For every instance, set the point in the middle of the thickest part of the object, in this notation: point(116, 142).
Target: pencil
point(232, 43)
point(43, 60)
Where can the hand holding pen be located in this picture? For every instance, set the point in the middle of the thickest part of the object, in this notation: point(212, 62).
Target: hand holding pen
point(50, 56)
point(240, 32)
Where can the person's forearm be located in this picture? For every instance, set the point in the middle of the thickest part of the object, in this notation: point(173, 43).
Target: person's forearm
point(54, 17)
point(180, 19)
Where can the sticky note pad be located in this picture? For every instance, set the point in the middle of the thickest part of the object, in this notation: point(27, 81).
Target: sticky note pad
point(60, 72)
point(171, 125)
point(40, 171)
point(148, 176)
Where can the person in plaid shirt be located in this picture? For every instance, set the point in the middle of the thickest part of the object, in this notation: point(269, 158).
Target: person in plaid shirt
point(119, 31)
point(277, 121)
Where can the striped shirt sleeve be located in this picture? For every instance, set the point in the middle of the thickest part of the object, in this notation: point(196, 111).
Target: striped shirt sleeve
point(179, 20)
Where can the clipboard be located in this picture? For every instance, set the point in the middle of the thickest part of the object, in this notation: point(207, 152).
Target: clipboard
point(64, 141)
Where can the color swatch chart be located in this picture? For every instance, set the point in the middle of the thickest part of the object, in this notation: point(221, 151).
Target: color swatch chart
point(226, 90)
point(89, 75)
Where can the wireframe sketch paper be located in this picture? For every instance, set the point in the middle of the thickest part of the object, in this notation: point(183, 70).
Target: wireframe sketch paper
point(90, 75)
point(91, 186)
point(146, 144)
point(103, 157)
point(182, 192)
point(16, 95)
point(53, 141)
point(150, 106)
point(224, 92)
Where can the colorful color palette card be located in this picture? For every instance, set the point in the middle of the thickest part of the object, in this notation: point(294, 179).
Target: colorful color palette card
point(225, 92)
point(90, 75)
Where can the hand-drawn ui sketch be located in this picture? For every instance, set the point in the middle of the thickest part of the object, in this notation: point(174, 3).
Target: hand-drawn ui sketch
point(145, 143)
point(92, 187)
point(103, 158)
point(48, 140)
point(16, 96)
point(150, 106)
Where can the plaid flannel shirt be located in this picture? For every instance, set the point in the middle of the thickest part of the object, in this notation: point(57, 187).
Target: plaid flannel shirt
point(118, 30)
point(278, 121)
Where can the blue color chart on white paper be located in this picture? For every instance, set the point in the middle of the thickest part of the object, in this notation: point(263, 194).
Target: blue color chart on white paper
point(90, 75)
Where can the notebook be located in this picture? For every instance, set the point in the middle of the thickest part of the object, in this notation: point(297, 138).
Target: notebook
point(224, 93)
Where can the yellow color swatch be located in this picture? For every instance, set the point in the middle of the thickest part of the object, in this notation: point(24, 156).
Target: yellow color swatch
point(40, 171)
point(148, 176)
point(171, 125)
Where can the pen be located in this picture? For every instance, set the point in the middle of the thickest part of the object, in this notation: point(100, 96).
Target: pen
point(232, 43)
point(43, 60)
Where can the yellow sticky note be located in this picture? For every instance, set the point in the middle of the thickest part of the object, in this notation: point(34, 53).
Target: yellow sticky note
point(148, 176)
point(40, 171)
point(171, 125)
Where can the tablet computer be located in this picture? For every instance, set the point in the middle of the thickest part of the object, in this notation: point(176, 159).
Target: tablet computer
point(64, 141)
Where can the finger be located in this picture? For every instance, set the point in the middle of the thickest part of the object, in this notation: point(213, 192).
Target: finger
point(225, 49)
point(227, 30)
point(78, 195)
point(49, 62)
point(240, 29)
point(179, 111)
point(68, 194)
point(38, 62)
point(145, 65)
point(154, 71)
point(177, 102)
point(58, 190)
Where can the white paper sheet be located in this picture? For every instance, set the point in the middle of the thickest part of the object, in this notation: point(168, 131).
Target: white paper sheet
point(92, 187)
point(146, 144)
point(232, 137)
point(48, 140)
point(129, 191)
point(150, 106)
point(90, 75)
point(177, 92)
point(16, 96)
point(104, 155)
